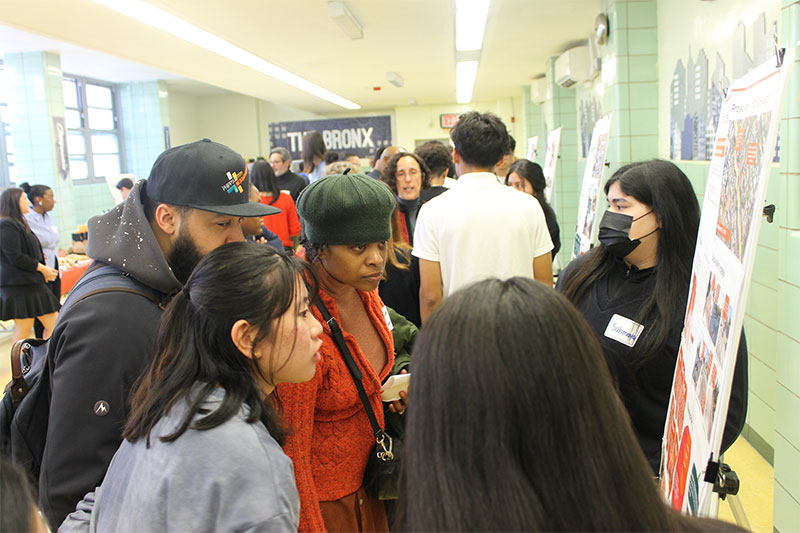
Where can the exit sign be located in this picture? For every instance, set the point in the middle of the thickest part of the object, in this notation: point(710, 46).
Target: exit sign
point(448, 120)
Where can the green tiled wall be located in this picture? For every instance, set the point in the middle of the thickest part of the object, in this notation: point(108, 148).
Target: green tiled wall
point(787, 369)
point(35, 97)
point(145, 113)
point(631, 94)
point(567, 187)
point(533, 126)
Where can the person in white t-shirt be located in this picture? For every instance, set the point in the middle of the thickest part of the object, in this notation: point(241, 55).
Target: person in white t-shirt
point(480, 228)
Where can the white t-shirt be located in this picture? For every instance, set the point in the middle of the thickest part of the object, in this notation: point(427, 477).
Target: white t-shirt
point(481, 229)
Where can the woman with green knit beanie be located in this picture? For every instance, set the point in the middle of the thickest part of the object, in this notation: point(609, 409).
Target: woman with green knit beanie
point(347, 225)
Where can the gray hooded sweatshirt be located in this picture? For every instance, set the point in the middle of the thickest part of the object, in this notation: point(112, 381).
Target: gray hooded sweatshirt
point(234, 477)
point(99, 347)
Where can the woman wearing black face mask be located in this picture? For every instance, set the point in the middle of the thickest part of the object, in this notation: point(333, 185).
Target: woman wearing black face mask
point(632, 289)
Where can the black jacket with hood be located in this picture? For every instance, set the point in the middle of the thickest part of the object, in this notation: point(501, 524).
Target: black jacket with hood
point(99, 347)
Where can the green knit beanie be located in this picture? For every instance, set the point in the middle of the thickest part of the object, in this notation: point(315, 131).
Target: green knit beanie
point(346, 209)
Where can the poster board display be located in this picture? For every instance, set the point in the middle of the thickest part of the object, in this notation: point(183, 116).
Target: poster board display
point(592, 176)
point(550, 158)
point(533, 144)
point(111, 182)
point(721, 272)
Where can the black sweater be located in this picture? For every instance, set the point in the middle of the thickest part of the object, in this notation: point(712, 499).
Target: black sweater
point(20, 254)
point(645, 387)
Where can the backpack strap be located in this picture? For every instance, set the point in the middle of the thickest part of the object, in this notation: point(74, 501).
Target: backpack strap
point(100, 278)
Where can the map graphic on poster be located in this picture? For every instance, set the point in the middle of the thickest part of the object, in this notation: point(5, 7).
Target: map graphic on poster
point(550, 158)
point(592, 176)
point(742, 147)
point(533, 143)
point(721, 271)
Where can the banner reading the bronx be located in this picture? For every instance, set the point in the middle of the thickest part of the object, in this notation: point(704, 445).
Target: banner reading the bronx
point(723, 263)
point(360, 136)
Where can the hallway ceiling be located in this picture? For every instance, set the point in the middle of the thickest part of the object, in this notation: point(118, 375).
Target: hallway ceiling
point(414, 38)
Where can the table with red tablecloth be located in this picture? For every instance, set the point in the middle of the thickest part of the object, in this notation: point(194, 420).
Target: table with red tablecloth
point(70, 275)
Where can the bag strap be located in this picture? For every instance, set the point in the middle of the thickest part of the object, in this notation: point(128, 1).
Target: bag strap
point(355, 372)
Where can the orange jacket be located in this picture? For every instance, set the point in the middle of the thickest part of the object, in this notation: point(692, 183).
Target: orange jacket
point(285, 224)
point(330, 435)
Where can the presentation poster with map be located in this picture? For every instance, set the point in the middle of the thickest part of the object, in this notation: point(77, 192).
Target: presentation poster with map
point(550, 158)
point(592, 176)
point(744, 147)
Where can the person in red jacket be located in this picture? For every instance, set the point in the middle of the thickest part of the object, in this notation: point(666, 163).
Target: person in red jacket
point(285, 224)
point(346, 218)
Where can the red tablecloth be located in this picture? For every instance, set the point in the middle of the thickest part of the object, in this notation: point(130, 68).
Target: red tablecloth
point(70, 275)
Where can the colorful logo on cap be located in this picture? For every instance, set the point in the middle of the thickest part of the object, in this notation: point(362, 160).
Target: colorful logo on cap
point(234, 183)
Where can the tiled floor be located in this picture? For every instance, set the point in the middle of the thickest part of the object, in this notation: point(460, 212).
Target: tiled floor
point(755, 474)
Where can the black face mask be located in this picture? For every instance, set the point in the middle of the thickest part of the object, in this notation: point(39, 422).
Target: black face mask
point(614, 231)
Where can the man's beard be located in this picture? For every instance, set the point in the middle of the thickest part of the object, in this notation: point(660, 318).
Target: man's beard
point(183, 257)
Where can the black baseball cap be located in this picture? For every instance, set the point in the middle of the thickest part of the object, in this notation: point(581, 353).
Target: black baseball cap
point(205, 175)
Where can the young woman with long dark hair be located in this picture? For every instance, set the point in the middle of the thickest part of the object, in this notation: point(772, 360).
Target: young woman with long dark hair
point(24, 294)
point(202, 443)
point(313, 155)
point(641, 271)
point(515, 424)
point(528, 177)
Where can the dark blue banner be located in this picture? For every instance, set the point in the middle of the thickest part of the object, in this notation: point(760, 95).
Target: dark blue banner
point(360, 136)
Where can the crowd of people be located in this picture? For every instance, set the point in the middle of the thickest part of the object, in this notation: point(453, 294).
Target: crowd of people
point(239, 387)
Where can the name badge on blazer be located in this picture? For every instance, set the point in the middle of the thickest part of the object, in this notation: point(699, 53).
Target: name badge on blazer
point(623, 330)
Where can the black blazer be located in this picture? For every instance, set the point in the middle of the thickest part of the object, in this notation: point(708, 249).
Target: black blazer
point(20, 254)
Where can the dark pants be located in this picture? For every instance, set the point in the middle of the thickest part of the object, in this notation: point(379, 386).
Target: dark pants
point(55, 288)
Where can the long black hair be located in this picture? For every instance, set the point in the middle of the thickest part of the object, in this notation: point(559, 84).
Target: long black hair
point(533, 174)
point(668, 192)
point(313, 146)
point(193, 345)
point(34, 191)
point(263, 177)
point(515, 424)
point(9, 206)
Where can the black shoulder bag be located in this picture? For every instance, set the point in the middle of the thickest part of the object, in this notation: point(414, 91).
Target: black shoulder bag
point(383, 468)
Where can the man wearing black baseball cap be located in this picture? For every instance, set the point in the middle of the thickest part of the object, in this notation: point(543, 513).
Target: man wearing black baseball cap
point(192, 202)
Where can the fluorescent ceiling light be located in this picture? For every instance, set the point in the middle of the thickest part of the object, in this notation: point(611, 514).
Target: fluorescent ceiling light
point(465, 80)
point(161, 20)
point(470, 23)
point(345, 19)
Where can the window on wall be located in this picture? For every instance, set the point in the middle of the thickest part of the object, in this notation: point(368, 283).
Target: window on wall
point(6, 145)
point(93, 130)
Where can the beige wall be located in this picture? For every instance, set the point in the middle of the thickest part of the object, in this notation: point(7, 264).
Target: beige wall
point(235, 120)
point(414, 123)
point(184, 118)
point(241, 121)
